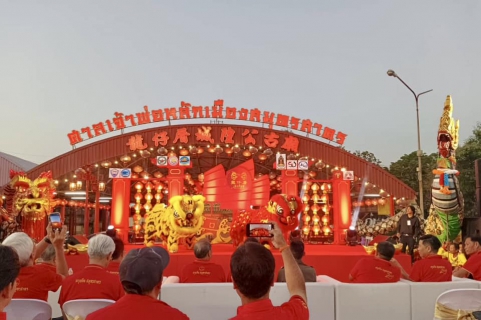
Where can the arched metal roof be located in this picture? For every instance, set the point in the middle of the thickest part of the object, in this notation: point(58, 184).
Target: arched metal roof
point(334, 156)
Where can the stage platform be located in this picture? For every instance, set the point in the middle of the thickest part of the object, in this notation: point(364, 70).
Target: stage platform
point(335, 261)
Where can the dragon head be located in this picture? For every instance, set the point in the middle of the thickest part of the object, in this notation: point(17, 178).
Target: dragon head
point(187, 216)
point(32, 199)
point(448, 131)
point(286, 209)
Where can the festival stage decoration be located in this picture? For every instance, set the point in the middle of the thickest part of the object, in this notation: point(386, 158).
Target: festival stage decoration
point(222, 234)
point(281, 208)
point(28, 204)
point(447, 206)
point(8, 222)
point(183, 218)
point(387, 226)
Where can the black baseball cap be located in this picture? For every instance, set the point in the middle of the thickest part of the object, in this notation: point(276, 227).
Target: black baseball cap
point(144, 267)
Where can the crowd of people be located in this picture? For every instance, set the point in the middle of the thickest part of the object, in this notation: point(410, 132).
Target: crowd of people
point(133, 281)
point(30, 271)
point(435, 265)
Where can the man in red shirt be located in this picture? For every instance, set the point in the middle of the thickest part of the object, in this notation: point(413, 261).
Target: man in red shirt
point(94, 281)
point(9, 270)
point(35, 281)
point(252, 267)
point(47, 259)
point(141, 276)
point(202, 270)
point(117, 256)
point(472, 268)
point(378, 269)
point(432, 267)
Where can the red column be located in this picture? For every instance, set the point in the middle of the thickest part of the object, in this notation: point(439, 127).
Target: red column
point(121, 207)
point(62, 213)
point(341, 193)
point(86, 209)
point(289, 182)
point(175, 179)
point(97, 212)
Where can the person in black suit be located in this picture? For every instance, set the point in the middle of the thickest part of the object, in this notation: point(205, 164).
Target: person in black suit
point(408, 228)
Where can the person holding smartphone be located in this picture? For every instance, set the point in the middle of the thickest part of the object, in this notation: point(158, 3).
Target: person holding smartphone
point(35, 281)
point(252, 268)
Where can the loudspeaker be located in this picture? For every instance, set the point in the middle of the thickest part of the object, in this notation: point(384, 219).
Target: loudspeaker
point(477, 172)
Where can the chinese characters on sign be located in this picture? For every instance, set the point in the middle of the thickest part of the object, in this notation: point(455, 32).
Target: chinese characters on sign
point(187, 111)
point(136, 142)
point(238, 180)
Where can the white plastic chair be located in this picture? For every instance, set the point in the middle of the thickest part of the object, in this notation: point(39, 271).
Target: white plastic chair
point(83, 307)
point(53, 302)
point(28, 309)
point(460, 299)
point(326, 279)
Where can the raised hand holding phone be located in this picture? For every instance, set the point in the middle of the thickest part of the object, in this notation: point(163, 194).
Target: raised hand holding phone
point(277, 237)
point(56, 236)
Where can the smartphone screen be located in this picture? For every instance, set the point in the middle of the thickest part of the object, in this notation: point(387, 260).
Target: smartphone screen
point(55, 220)
point(260, 230)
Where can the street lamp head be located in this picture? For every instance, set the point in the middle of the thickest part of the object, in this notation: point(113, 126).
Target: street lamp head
point(391, 73)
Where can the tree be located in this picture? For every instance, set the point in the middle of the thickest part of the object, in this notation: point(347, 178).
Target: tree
point(465, 156)
point(368, 156)
point(405, 170)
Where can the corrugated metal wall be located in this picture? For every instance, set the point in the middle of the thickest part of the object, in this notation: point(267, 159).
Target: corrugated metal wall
point(334, 156)
point(5, 167)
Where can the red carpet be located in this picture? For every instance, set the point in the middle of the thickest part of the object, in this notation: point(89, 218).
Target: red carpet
point(335, 261)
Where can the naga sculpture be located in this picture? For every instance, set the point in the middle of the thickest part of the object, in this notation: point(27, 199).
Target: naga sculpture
point(183, 218)
point(28, 203)
point(281, 208)
point(447, 206)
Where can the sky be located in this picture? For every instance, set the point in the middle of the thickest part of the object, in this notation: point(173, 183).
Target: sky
point(68, 64)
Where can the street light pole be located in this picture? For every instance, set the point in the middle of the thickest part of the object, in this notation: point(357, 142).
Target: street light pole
point(391, 73)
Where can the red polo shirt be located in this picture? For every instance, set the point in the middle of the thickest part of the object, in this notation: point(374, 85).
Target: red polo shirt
point(34, 282)
point(93, 282)
point(295, 309)
point(114, 267)
point(3, 316)
point(375, 270)
point(431, 269)
point(47, 266)
point(133, 306)
point(202, 272)
point(473, 265)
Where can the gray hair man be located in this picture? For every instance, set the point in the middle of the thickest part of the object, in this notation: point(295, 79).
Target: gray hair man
point(202, 270)
point(35, 281)
point(94, 281)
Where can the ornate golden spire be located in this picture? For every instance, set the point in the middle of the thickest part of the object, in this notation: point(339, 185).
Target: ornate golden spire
point(447, 123)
